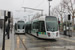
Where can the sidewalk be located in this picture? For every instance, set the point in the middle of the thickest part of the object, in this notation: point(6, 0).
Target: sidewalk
point(8, 42)
point(72, 33)
point(1, 39)
point(66, 37)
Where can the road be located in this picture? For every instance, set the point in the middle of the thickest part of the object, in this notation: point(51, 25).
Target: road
point(29, 42)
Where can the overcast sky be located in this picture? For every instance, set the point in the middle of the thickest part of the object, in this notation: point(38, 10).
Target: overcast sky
point(18, 4)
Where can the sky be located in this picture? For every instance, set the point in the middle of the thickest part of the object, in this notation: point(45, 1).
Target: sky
point(13, 5)
point(18, 4)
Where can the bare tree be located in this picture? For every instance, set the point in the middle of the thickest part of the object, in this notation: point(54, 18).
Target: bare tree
point(69, 6)
point(58, 10)
point(37, 15)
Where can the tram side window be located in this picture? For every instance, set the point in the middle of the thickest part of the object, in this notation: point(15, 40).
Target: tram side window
point(26, 28)
point(18, 27)
point(23, 27)
point(35, 25)
point(42, 26)
point(29, 26)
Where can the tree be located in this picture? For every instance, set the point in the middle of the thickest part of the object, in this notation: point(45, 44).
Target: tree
point(66, 6)
point(58, 11)
point(37, 15)
point(69, 6)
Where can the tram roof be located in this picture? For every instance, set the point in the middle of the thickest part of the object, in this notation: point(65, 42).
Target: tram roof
point(20, 23)
point(28, 22)
point(42, 18)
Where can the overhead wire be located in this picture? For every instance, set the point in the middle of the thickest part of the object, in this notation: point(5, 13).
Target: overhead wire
point(40, 4)
point(37, 5)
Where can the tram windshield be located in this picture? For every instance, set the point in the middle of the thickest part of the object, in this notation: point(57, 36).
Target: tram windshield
point(51, 24)
point(20, 26)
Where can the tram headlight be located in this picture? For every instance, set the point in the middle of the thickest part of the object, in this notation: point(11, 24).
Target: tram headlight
point(48, 34)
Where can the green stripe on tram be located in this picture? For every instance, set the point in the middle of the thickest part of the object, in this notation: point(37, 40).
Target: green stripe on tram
point(42, 33)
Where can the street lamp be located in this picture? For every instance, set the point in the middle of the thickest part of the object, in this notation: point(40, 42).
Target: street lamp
point(49, 6)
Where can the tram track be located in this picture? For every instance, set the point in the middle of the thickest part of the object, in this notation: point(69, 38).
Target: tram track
point(40, 47)
point(22, 42)
point(63, 47)
point(33, 40)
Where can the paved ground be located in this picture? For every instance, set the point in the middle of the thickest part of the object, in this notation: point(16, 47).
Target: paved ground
point(68, 32)
point(29, 42)
point(1, 36)
point(8, 42)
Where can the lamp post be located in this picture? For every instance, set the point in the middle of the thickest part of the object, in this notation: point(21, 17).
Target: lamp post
point(3, 46)
point(49, 6)
point(7, 15)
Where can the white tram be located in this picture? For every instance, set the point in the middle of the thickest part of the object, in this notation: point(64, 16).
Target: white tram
point(20, 27)
point(44, 27)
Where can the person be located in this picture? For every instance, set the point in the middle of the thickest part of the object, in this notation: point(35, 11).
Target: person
point(65, 31)
point(7, 31)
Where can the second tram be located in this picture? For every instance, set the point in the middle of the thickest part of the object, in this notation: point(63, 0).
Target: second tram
point(20, 27)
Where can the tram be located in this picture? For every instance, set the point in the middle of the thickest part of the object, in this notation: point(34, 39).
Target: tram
point(45, 27)
point(20, 27)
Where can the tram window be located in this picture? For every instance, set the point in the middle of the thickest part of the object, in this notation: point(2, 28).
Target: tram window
point(42, 26)
point(52, 26)
point(29, 27)
point(15, 27)
point(26, 28)
point(23, 27)
point(18, 27)
point(35, 25)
